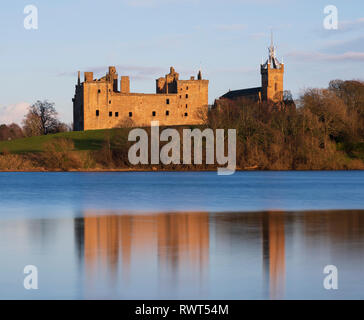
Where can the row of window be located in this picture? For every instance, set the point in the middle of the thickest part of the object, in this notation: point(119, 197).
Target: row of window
point(167, 100)
point(110, 113)
point(99, 91)
point(131, 114)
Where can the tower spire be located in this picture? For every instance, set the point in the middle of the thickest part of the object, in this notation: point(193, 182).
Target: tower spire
point(272, 50)
point(272, 75)
point(272, 59)
point(199, 75)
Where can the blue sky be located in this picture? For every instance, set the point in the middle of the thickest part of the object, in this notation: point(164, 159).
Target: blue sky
point(143, 38)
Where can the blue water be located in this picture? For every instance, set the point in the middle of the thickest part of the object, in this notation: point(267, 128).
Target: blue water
point(252, 235)
point(67, 194)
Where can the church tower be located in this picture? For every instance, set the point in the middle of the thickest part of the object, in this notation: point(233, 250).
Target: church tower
point(272, 72)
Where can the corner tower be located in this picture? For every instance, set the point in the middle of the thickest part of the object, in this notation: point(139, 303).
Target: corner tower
point(272, 72)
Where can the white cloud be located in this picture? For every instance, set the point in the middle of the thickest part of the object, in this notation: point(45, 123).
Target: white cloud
point(13, 113)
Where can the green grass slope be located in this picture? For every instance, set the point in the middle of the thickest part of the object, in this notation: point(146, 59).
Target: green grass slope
point(83, 140)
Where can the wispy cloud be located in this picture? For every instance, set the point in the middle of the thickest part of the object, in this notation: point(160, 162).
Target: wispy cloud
point(345, 26)
point(230, 27)
point(242, 70)
point(258, 35)
point(350, 56)
point(348, 25)
point(167, 41)
point(155, 3)
point(136, 72)
point(344, 45)
point(146, 3)
point(13, 113)
point(152, 3)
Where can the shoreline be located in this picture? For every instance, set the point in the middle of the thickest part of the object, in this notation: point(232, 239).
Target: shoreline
point(166, 170)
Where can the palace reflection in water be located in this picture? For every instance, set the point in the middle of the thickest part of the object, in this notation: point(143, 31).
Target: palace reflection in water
point(181, 250)
point(175, 240)
point(116, 255)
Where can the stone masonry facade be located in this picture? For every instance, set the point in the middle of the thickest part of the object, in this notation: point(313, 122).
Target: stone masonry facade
point(100, 104)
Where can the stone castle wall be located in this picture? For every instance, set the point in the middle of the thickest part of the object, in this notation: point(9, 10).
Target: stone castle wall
point(98, 104)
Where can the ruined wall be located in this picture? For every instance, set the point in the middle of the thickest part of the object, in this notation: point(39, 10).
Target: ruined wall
point(102, 106)
point(78, 114)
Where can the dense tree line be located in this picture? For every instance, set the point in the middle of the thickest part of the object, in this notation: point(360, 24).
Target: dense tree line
point(323, 129)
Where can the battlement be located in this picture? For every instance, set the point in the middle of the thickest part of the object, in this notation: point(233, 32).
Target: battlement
point(100, 104)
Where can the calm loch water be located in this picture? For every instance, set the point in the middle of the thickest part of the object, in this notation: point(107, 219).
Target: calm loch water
point(253, 235)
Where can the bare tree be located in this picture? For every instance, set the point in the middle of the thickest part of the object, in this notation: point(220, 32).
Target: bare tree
point(41, 119)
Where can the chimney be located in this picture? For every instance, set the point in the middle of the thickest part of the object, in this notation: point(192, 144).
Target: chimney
point(125, 84)
point(89, 76)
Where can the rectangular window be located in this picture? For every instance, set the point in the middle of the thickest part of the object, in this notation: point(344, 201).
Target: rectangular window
point(97, 113)
point(116, 114)
point(186, 114)
point(110, 114)
point(167, 113)
point(109, 101)
point(130, 114)
point(153, 113)
point(167, 101)
point(99, 91)
point(186, 106)
point(186, 96)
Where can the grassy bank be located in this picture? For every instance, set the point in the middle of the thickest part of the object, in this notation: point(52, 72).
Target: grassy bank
point(83, 140)
point(107, 150)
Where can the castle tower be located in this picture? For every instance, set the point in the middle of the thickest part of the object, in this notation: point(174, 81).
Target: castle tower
point(272, 72)
point(168, 84)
